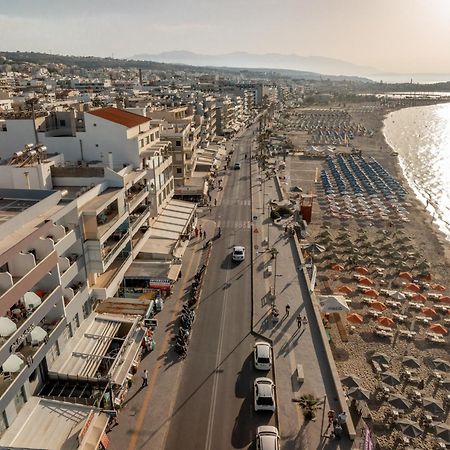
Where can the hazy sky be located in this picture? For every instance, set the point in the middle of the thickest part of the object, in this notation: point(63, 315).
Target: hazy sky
point(390, 35)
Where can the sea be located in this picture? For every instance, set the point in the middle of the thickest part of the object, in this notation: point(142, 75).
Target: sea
point(421, 137)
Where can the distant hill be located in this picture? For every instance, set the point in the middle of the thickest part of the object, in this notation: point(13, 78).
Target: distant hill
point(317, 64)
point(95, 62)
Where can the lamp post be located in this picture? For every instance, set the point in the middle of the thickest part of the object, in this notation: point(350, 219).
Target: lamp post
point(274, 253)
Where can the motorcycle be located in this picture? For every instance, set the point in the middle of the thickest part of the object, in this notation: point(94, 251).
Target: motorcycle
point(183, 332)
point(181, 350)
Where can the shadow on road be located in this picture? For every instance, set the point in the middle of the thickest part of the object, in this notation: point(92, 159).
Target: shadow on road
point(244, 379)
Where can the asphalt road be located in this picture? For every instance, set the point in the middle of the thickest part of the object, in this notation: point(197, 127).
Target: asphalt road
point(214, 405)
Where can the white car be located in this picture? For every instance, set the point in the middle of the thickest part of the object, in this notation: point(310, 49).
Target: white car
point(264, 389)
point(238, 253)
point(267, 438)
point(262, 355)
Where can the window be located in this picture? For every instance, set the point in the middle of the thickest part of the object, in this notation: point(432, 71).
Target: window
point(178, 143)
point(33, 376)
point(75, 322)
point(20, 399)
point(147, 140)
point(3, 422)
point(53, 353)
point(67, 333)
point(62, 123)
point(142, 142)
point(159, 199)
point(179, 170)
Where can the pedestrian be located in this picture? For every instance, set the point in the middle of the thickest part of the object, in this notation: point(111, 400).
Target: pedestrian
point(288, 309)
point(210, 209)
point(342, 418)
point(204, 234)
point(196, 232)
point(331, 416)
point(305, 321)
point(299, 321)
point(144, 378)
point(215, 202)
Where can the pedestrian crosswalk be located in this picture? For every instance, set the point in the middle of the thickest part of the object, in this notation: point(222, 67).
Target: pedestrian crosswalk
point(234, 202)
point(235, 224)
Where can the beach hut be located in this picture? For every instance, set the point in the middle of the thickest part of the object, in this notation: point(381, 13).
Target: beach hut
point(438, 328)
point(419, 298)
point(413, 287)
point(386, 321)
point(355, 318)
point(429, 312)
point(379, 306)
point(406, 275)
point(371, 293)
point(345, 289)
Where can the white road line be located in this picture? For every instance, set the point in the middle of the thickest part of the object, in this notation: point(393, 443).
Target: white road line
point(212, 409)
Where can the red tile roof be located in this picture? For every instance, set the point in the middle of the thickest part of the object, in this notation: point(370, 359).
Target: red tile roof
point(125, 118)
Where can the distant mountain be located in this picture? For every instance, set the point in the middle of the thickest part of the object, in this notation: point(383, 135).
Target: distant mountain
point(318, 64)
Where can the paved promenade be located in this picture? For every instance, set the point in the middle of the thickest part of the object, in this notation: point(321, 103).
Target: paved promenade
point(292, 345)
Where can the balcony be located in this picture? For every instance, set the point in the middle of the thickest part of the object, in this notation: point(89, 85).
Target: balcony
point(136, 196)
point(138, 217)
point(112, 248)
point(72, 266)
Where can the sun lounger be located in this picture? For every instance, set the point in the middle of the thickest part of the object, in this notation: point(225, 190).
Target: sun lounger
point(300, 373)
point(373, 313)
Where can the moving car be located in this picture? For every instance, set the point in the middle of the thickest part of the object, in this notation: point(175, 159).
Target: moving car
point(238, 253)
point(264, 392)
point(267, 438)
point(237, 166)
point(262, 355)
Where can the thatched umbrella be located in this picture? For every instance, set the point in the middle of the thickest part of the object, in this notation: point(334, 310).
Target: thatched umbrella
point(390, 378)
point(351, 381)
point(399, 402)
point(411, 362)
point(441, 364)
point(358, 393)
point(433, 406)
point(442, 431)
point(381, 358)
point(409, 428)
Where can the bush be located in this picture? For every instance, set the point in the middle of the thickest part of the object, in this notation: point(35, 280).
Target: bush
point(275, 215)
point(284, 211)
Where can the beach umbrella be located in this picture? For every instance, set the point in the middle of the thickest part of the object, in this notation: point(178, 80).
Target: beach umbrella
point(314, 248)
point(441, 364)
point(37, 335)
point(433, 406)
point(399, 402)
point(379, 306)
point(386, 321)
point(438, 287)
point(429, 312)
point(419, 298)
point(7, 327)
point(333, 303)
point(398, 295)
point(381, 358)
point(371, 293)
point(13, 364)
point(411, 362)
point(362, 270)
point(390, 378)
point(337, 267)
point(409, 428)
point(438, 328)
point(442, 431)
point(412, 287)
point(345, 289)
point(444, 299)
point(358, 393)
point(31, 300)
point(351, 381)
point(445, 383)
point(406, 275)
point(366, 281)
point(355, 318)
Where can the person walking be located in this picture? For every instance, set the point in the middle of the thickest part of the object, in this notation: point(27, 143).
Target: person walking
point(196, 232)
point(299, 321)
point(144, 378)
point(305, 321)
point(215, 202)
point(204, 234)
point(288, 310)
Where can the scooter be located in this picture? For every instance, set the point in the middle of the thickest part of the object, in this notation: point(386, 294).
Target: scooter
point(181, 350)
point(183, 332)
point(186, 323)
point(181, 342)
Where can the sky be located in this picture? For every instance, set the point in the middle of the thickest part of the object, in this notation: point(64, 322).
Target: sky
point(401, 36)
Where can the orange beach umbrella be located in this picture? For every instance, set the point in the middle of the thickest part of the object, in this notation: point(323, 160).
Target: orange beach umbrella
point(419, 298)
point(362, 270)
point(371, 293)
point(412, 287)
point(406, 275)
point(438, 328)
point(337, 267)
point(438, 287)
point(386, 321)
point(345, 289)
point(379, 306)
point(429, 312)
point(444, 299)
point(355, 318)
point(366, 281)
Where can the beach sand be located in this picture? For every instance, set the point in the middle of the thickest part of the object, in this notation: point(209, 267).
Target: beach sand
point(352, 356)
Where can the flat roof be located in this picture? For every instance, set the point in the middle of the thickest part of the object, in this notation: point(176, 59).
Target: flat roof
point(101, 200)
point(52, 425)
point(142, 269)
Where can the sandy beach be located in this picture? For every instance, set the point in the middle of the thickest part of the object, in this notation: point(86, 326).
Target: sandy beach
point(399, 245)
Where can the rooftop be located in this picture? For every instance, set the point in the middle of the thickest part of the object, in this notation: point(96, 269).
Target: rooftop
point(125, 118)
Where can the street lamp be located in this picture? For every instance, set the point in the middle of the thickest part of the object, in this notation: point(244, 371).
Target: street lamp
point(274, 252)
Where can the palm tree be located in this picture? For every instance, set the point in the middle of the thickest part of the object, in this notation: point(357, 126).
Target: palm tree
point(309, 405)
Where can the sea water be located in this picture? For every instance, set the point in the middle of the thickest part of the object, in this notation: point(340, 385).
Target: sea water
point(421, 136)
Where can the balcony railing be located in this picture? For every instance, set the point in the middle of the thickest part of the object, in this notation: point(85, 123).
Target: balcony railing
point(136, 219)
point(109, 255)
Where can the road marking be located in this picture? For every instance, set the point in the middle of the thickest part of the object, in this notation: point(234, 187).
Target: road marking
point(149, 390)
point(212, 408)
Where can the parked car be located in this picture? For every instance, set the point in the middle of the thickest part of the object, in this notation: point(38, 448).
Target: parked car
point(238, 253)
point(267, 438)
point(264, 394)
point(237, 166)
point(262, 355)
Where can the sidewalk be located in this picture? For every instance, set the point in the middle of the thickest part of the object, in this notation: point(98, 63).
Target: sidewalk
point(144, 418)
point(291, 345)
